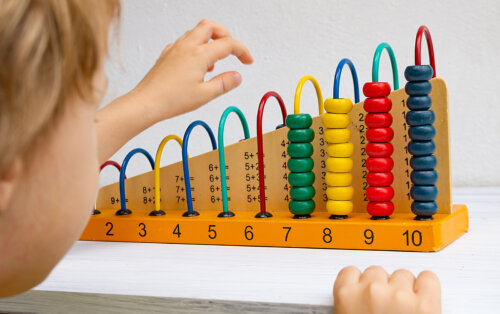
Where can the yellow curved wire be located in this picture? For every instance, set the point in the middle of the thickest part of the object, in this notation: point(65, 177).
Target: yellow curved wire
point(157, 166)
point(298, 91)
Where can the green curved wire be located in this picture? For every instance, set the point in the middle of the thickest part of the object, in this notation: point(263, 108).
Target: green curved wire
point(376, 59)
point(222, 161)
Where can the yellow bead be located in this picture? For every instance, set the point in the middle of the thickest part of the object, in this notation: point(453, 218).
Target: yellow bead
point(335, 120)
point(339, 164)
point(340, 150)
point(338, 179)
point(334, 136)
point(340, 193)
point(341, 105)
point(339, 207)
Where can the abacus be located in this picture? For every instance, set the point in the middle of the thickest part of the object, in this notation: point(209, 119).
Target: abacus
point(360, 176)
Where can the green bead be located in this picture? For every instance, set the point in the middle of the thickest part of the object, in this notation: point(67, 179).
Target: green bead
point(301, 178)
point(301, 135)
point(301, 207)
point(300, 164)
point(302, 193)
point(299, 150)
point(298, 121)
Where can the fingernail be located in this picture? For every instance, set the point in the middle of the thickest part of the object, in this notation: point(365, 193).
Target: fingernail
point(237, 78)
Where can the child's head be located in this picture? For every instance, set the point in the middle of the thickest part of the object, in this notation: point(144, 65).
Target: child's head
point(51, 82)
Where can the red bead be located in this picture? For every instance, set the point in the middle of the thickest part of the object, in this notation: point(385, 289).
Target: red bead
point(379, 178)
point(377, 105)
point(379, 135)
point(380, 208)
point(379, 149)
point(378, 120)
point(376, 89)
point(380, 193)
point(380, 164)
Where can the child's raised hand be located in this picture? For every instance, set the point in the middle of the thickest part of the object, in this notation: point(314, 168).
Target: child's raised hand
point(375, 291)
point(176, 83)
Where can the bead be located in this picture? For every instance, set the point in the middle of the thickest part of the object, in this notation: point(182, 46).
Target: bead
point(424, 208)
point(339, 164)
point(422, 117)
point(298, 121)
point(335, 120)
point(376, 105)
point(419, 102)
point(418, 88)
point(379, 209)
point(423, 162)
point(378, 120)
point(424, 193)
point(300, 150)
point(340, 150)
point(300, 164)
point(422, 132)
point(379, 178)
point(300, 135)
point(302, 193)
point(301, 207)
point(376, 89)
point(380, 164)
point(338, 179)
point(379, 149)
point(421, 148)
point(337, 135)
point(301, 178)
point(340, 193)
point(379, 193)
point(379, 135)
point(418, 73)
point(424, 177)
point(339, 207)
point(338, 105)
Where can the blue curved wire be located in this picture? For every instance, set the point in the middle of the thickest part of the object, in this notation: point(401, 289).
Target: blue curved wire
point(123, 204)
point(336, 81)
point(222, 160)
point(185, 164)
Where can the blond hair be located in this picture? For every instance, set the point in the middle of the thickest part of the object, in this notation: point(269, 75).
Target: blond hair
point(49, 51)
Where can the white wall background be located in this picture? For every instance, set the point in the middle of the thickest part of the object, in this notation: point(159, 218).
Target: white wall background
point(289, 39)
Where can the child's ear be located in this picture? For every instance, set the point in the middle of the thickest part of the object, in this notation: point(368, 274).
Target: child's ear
point(8, 182)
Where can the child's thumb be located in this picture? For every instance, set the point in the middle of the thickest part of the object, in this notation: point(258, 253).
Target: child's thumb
point(223, 83)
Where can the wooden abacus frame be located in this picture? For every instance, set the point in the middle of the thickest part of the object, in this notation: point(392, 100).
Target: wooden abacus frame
point(400, 232)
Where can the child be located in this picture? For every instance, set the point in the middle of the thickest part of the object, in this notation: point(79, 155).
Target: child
point(53, 139)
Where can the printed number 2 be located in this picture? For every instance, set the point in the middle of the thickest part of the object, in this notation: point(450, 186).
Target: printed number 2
point(110, 225)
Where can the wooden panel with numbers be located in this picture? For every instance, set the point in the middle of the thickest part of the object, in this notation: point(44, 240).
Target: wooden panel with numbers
point(243, 179)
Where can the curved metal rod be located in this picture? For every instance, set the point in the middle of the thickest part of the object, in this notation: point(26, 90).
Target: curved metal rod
point(376, 60)
point(338, 73)
point(104, 165)
point(298, 91)
point(423, 30)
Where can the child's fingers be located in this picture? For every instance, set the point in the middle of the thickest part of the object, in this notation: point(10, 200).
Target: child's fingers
point(206, 30)
point(374, 274)
point(402, 279)
point(427, 284)
point(221, 48)
point(222, 83)
point(348, 275)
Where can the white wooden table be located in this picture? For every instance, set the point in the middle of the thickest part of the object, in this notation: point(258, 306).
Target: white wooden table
point(467, 268)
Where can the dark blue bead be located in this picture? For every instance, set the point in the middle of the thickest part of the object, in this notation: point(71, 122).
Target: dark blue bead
point(418, 88)
point(423, 162)
point(422, 132)
point(421, 148)
point(424, 177)
point(425, 193)
point(414, 118)
point(424, 208)
point(418, 73)
point(419, 102)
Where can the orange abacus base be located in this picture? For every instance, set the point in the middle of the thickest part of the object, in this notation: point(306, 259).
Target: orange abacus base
point(400, 233)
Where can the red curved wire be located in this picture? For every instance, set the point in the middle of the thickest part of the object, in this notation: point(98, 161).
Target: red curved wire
point(111, 163)
point(423, 30)
point(260, 145)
